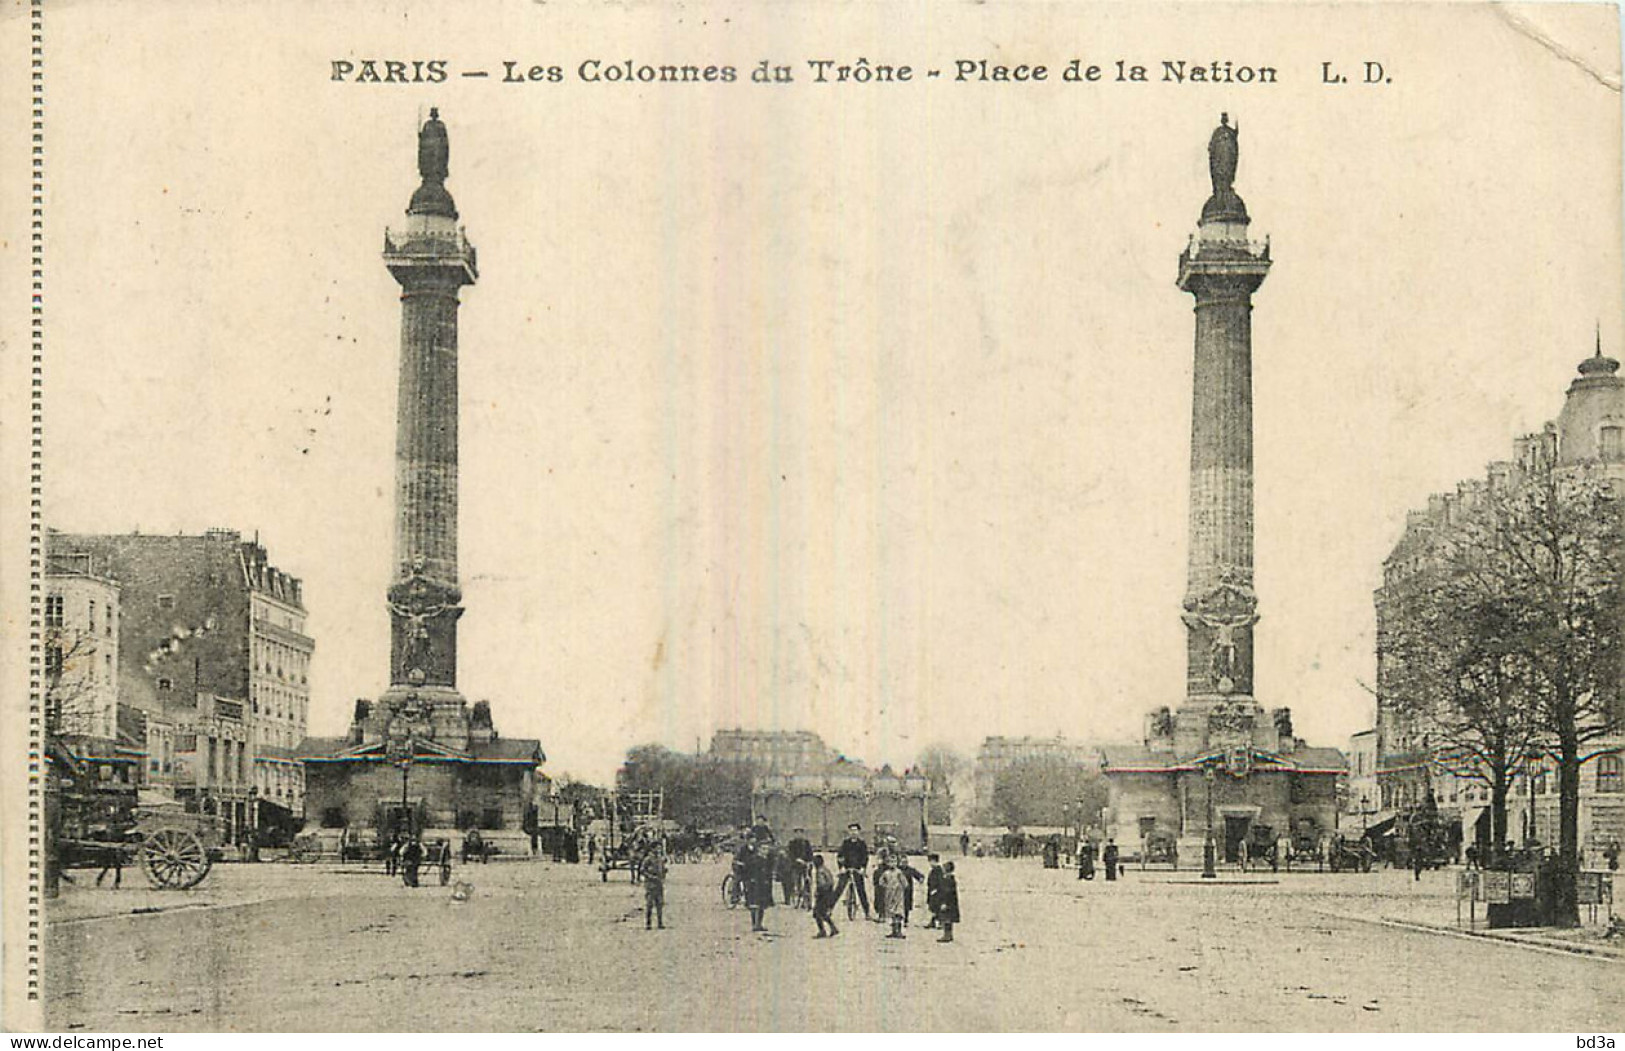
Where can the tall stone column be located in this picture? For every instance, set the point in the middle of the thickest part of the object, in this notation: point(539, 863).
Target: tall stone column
point(1221, 269)
point(431, 259)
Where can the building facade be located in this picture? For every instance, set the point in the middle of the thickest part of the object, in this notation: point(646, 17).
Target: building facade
point(1413, 766)
point(419, 760)
point(81, 651)
point(1220, 768)
point(824, 802)
point(212, 650)
point(772, 751)
point(998, 754)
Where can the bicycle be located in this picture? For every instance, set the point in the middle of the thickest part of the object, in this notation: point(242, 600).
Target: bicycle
point(733, 892)
point(852, 896)
point(802, 898)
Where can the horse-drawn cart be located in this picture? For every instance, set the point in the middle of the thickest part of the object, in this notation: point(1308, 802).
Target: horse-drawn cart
point(104, 825)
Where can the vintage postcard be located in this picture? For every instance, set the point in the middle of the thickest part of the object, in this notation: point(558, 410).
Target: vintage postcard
point(833, 517)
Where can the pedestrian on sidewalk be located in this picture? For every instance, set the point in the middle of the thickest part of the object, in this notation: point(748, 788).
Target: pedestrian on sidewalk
point(948, 903)
point(823, 898)
point(653, 871)
point(1109, 856)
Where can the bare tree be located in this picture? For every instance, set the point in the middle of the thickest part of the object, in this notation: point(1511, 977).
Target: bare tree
point(1448, 668)
point(71, 693)
point(942, 765)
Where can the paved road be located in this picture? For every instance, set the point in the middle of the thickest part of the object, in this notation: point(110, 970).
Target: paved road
point(548, 947)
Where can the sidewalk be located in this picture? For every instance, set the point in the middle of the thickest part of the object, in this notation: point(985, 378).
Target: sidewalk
point(1430, 905)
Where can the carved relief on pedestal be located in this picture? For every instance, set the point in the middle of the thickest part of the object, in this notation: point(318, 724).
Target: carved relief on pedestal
point(1221, 613)
point(416, 604)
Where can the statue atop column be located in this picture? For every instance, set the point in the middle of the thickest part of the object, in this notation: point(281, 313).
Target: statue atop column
point(1223, 150)
point(1222, 153)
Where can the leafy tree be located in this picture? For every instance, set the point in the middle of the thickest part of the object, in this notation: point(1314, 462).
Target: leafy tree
point(1536, 565)
point(698, 790)
point(1043, 791)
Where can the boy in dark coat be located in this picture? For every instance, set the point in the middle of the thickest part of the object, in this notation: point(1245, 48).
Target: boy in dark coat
point(933, 890)
point(948, 902)
point(823, 898)
point(759, 865)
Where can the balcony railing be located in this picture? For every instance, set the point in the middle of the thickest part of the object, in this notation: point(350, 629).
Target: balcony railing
point(429, 244)
point(1197, 249)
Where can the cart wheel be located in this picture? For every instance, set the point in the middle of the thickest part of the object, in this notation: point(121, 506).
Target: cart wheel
point(174, 859)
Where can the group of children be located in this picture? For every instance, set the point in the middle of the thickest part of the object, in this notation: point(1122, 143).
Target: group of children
point(894, 894)
point(894, 880)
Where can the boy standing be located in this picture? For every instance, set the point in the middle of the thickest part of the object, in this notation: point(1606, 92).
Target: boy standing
point(653, 871)
point(823, 898)
point(948, 899)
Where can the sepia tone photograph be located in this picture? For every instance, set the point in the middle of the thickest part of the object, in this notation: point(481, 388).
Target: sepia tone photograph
point(815, 518)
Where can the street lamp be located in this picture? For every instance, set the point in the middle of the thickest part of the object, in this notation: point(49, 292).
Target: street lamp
point(1208, 847)
point(1532, 757)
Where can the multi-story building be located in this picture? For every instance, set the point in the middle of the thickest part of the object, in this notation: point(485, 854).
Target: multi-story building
point(81, 643)
point(1363, 798)
point(999, 754)
point(1589, 434)
point(772, 751)
point(212, 649)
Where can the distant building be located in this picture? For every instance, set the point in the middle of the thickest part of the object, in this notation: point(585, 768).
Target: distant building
point(1589, 433)
point(999, 754)
point(824, 802)
point(81, 648)
point(211, 649)
point(772, 751)
point(1362, 800)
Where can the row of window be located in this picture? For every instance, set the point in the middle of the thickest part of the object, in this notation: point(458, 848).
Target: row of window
point(279, 703)
point(285, 662)
point(1607, 773)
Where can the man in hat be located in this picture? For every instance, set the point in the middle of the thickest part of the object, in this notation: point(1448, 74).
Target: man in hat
point(853, 857)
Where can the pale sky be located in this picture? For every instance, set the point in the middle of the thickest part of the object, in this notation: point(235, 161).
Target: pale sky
point(861, 409)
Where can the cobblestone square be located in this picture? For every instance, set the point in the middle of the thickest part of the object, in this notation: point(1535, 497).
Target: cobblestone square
point(539, 946)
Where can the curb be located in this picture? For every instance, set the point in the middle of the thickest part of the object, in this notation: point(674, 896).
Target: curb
point(1522, 942)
